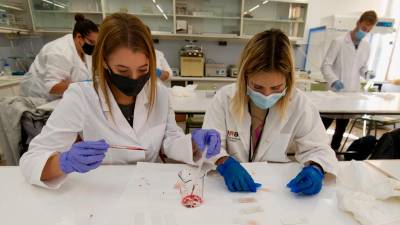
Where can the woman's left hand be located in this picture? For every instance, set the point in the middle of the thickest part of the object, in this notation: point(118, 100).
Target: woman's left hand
point(308, 181)
point(210, 138)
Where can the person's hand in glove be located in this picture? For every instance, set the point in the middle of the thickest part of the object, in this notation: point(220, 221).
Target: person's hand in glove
point(211, 139)
point(158, 72)
point(308, 181)
point(337, 85)
point(237, 179)
point(83, 156)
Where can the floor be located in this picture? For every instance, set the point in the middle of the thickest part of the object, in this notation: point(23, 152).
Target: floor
point(356, 133)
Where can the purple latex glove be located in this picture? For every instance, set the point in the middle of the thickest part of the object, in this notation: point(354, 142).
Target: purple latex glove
point(210, 138)
point(83, 156)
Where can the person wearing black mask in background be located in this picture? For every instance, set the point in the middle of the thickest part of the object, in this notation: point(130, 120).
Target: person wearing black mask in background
point(62, 61)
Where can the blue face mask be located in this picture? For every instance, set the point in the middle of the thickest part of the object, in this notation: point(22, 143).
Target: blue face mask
point(360, 34)
point(262, 101)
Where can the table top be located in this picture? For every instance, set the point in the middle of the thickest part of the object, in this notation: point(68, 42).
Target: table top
point(327, 102)
point(136, 195)
point(227, 79)
point(10, 80)
point(215, 79)
point(355, 102)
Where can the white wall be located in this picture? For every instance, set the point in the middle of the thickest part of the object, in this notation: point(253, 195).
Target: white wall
point(318, 9)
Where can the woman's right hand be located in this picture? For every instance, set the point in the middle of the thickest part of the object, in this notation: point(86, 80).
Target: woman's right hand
point(83, 156)
point(236, 177)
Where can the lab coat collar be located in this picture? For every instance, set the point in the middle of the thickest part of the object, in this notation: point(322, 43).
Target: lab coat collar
point(349, 41)
point(117, 120)
point(87, 64)
point(347, 38)
point(270, 131)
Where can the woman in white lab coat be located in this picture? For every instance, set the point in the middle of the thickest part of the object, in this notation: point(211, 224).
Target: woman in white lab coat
point(62, 61)
point(263, 117)
point(124, 106)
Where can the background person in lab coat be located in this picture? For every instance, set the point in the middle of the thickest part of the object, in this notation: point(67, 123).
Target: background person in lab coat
point(163, 70)
point(123, 106)
point(345, 61)
point(62, 61)
point(263, 117)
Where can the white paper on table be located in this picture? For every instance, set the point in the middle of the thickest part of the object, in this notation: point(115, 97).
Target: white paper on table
point(187, 91)
point(361, 190)
point(152, 192)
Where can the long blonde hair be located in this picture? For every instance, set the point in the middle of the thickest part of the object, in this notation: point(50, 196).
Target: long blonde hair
point(122, 30)
point(268, 51)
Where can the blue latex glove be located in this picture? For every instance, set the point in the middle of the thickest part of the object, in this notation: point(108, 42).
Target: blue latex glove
point(158, 72)
point(337, 85)
point(83, 156)
point(210, 138)
point(236, 177)
point(308, 181)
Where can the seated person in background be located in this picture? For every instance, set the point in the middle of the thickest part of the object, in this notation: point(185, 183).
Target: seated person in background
point(263, 117)
point(62, 61)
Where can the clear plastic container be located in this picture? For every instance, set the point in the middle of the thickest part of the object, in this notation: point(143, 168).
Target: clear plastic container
point(191, 188)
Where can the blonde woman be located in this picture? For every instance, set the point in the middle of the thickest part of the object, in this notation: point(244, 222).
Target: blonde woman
point(123, 106)
point(263, 117)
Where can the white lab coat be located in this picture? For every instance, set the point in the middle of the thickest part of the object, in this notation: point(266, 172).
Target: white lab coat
point(346, 63)
point(162, 63)
point(300, 131)
point(81, 111)
point(58, 60)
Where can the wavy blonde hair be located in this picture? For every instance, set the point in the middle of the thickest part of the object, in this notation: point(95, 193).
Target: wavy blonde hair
point(268, 51)
point(122, 30)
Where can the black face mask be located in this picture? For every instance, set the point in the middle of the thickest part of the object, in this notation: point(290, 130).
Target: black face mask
point(128, 86)
point(88, 48)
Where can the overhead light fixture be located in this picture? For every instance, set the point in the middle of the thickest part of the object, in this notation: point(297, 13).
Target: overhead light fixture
point(254, 8)
point(161, 11)
point(159, 8)
point(10, 7)
point(265, 2)
point(55, 4)
point(60, 3)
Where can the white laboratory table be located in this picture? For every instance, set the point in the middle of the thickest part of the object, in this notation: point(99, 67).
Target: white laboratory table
point(355, 103)
point(135, 195)
point(9, 85)
point(213, 79)
point(327, 102)
point(218, 82)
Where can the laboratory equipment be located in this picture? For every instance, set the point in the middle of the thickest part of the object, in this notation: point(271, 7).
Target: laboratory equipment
point(192, 60)
point(214, 69)
point(191, 188)
point(132, 148)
